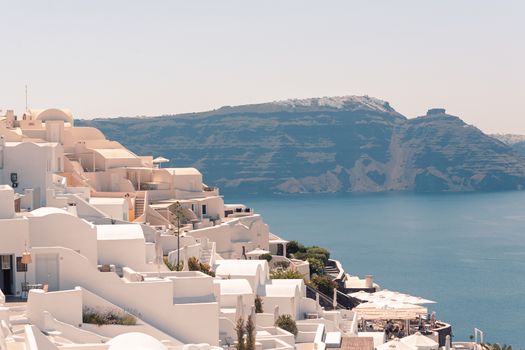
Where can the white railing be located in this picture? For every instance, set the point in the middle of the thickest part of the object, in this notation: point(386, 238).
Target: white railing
point(478, 335)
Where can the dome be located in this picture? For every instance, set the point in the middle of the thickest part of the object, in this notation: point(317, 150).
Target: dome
point(135, 341)
point(44, 211)
point(54, 114)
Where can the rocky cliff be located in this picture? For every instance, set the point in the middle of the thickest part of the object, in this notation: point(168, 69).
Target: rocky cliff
point(517, 142)
point(339, 144)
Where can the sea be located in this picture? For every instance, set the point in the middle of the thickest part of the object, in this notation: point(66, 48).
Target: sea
point(465, 251)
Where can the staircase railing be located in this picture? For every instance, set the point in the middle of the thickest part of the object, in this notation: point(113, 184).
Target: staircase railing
point(324, 300)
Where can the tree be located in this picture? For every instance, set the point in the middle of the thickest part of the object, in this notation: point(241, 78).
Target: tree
point(287, 323)
point(250, 334)
point(293, 247)
point(179, 214)
point(316, 266)
point(239, 330)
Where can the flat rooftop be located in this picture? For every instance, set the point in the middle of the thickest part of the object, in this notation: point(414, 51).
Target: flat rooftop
point(119, 232)
point(106, 200)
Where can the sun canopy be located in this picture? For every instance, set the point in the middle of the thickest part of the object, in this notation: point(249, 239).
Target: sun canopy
point(420, 342)
point(159, 160)
point(395, 344)
point(392, 310)
point(257, 252)
point(387, 296)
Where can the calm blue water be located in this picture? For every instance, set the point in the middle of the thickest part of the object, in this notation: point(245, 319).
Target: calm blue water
point(465, 251)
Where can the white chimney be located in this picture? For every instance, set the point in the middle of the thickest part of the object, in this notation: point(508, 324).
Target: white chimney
point(10, 118)
point(7, 202)
point(72, 208)
point(369, 281)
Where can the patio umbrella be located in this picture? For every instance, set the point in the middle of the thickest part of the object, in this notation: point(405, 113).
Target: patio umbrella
point(395, 344)
point(257, 252)
point(410, 299)
point(386, 294)
point(420, 342)
point(361, 295)
point(388, 304)
point(160, 160)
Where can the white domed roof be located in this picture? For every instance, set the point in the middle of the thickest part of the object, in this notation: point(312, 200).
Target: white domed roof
point(43, 211)
point(54, 114)
point(135, 341)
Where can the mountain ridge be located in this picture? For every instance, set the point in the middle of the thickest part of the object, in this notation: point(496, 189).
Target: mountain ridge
point(325, 145)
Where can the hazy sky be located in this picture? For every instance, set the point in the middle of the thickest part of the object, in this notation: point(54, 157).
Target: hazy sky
point(127, 58)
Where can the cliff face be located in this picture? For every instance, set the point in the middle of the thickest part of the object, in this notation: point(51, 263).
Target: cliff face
point(320, 145)
point(517, 142)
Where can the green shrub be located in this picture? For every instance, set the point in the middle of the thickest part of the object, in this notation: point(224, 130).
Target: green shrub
point(319, 253)
point(316, 266)
point(193, 264)
point(324, 284)
point(169, 265)
point(285, 275)
point(293, 247)
point(267, 257)
point(287, 323)
point(313, 252)
point(206, 268)
point(92, 316)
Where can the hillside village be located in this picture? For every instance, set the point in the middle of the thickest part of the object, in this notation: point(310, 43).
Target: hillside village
point(105, 249)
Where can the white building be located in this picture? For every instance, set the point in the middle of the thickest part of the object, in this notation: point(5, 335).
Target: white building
point(98, 222)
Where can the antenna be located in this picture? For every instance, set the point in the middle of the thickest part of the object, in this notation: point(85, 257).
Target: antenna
point(26, 97)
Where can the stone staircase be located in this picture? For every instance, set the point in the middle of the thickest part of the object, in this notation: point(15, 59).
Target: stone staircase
point(346, 326)
point(333, 271)
point(139, 206)
point(205, 257)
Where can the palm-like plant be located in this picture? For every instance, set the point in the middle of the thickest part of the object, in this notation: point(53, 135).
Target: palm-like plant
point(239, 330)
point(250, 334)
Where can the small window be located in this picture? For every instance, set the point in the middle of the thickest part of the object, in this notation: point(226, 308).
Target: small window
point(19, 266)
point(204, 209)
point(6, 262)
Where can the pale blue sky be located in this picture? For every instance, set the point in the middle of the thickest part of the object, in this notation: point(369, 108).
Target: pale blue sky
point(127, 58)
